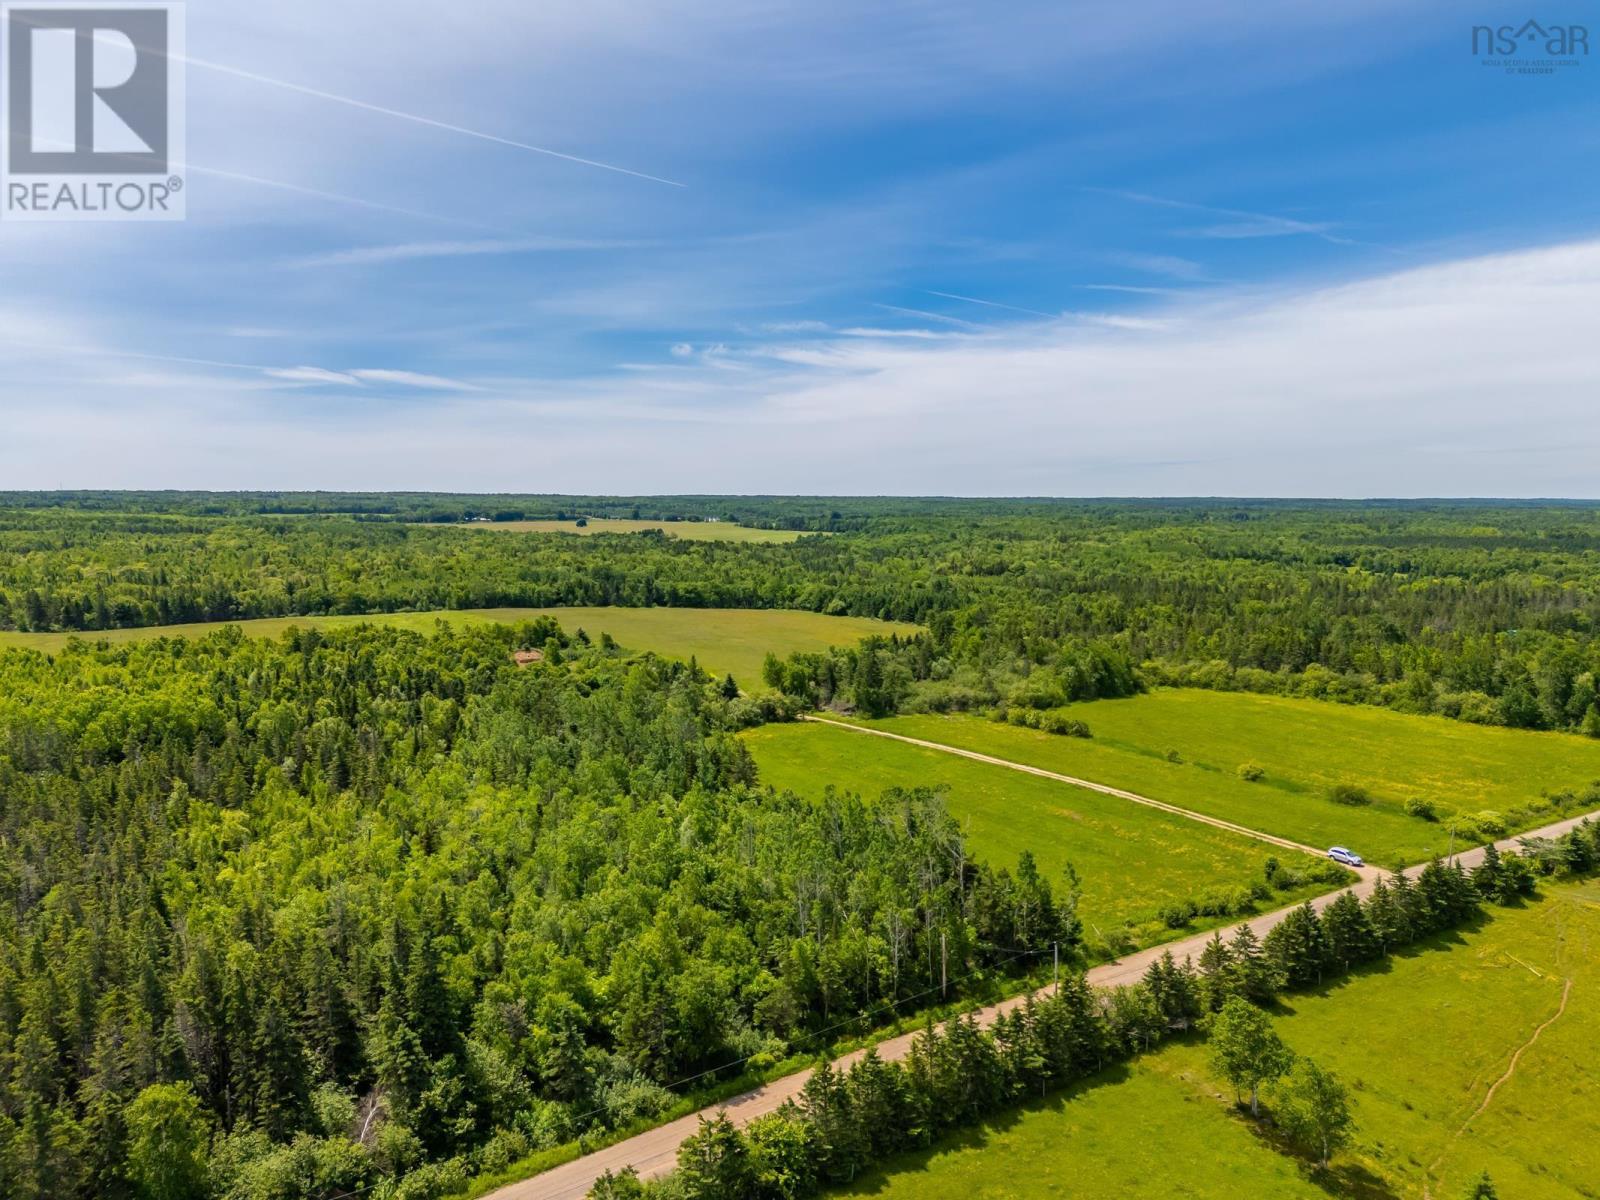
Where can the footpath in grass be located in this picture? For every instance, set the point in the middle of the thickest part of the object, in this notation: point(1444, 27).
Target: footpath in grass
point(1133, 861)
point(1186, 747)
point(1419, 1041)
point(723, 640)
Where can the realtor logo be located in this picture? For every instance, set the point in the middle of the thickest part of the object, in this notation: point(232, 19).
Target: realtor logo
point(94, 112)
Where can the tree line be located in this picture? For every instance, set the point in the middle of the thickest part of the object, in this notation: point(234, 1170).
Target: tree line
point(961, 1073)
point(1485, 613)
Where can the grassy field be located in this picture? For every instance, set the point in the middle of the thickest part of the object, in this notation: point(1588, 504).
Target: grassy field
point(689, 531)
point(1132, 860)
point(722, 639)
point(1304, 748)
point(1420, 1042)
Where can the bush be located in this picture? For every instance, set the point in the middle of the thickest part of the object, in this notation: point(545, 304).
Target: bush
point(1176, 916)
point(1490, 824)
point(1352, 794)
point(1047, 721)
point(1250, 772)
point(1422, 809)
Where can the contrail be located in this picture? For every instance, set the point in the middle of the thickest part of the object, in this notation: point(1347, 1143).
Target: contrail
point(1281, 225)
point(335, 98)
point(930, 316)
point(993, 304)
point(421, 120)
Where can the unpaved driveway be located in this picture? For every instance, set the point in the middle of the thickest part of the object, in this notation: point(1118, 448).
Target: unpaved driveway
point(1368, 873)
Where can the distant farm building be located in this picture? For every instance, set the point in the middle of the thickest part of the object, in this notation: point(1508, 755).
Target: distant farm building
point(524, 658)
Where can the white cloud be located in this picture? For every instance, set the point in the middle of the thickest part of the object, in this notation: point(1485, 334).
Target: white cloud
point(415, 379)
point(311, 375)
point(412, 251)
point(1474, 377)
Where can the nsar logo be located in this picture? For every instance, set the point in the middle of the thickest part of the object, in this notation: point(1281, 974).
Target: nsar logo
point(1531, 48)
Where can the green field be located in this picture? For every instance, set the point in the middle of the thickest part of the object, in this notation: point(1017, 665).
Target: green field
point(1305, 747)
point(1419, 1042)
point(1132, 860)
point(689, 531)
point(722, 639)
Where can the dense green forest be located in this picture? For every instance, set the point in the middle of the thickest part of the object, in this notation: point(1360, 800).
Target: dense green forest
point(1477, 611)
point(371, 905)
point(367, 912)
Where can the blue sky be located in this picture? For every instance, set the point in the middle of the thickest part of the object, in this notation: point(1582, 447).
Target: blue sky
point(917, 247)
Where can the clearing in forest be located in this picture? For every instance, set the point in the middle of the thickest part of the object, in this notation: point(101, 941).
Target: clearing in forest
point(1420, 1041)
point(1133, 861)
point(1187, 746)
point(722, 640)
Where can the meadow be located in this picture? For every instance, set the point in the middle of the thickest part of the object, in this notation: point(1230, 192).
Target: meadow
point(1131, 860)
point(1165, 1127)
point(731, 641)
point(689, 531)
point(1186, 747)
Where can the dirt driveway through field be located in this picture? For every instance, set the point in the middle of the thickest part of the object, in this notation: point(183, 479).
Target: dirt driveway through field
point(1366, 873)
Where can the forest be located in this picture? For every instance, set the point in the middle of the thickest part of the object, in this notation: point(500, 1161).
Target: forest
point(1474, 611)
point(373, 912)
point(341, 909)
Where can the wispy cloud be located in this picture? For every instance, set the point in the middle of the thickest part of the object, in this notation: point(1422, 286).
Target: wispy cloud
point(418, 119)
point(794, 327)
point(1134, 289)
point(867, 331)
point(1033, 312)
point(1243, 222)
point(413, 379)
point(1172, 266)
point(398, 114)
point(310, 375)
point(414, 251)
point(929, 316)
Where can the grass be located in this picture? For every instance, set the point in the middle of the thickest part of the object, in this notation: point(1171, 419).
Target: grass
point(723, 640)
point(1127, 1132)
point(1304, 747)
point(1419, 1041)
point(689, 531)
point(1132, 860)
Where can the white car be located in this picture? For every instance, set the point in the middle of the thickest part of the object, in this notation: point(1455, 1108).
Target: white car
point(1348, 857)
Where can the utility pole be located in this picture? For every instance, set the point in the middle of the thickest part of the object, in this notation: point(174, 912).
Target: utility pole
point(944, 967)
point(1451, 857)
point(1055, 953)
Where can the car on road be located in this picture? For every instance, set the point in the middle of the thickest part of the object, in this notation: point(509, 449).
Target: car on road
point(1348, 857)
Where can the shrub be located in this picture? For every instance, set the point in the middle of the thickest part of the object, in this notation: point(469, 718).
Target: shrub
point(1352, 794)
point(1250, 772)
point(1176, 916)
point(1047, 721)
point(1490, 824)
point(1422, 809)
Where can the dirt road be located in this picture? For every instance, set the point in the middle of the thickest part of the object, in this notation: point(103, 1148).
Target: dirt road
point(655, 1152)
point(1104, 789)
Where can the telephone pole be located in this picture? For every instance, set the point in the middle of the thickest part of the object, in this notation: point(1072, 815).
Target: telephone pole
point(944, 967)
